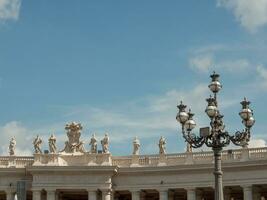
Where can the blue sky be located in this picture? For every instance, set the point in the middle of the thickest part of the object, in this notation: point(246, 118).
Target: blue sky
point(121, 67)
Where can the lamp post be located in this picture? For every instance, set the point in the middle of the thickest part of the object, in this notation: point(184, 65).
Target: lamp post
point(215, 136)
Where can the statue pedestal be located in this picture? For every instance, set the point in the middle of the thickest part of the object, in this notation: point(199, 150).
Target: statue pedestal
point(12, 161)
point(104, 159)
point(245, 154)
point(37, 159)
point(92, 161)
point(135, 161)
point(162, 160)
point(189, 158)
point(53, 159)
point(74, 159)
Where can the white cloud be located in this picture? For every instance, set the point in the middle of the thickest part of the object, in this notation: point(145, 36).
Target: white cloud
point(262, 74)
point(201, 63)
point(252, 14)
point(234, 65)
point(255, 143)
point(9, 9)
point(207, 62)
point(148, 118)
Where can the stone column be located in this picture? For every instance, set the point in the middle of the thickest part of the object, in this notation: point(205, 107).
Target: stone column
point(51, 194)
point(136, 194)
point(106, 194)
point(247, 191)
point(163, 194)
point(92, 194)
point(10, 195)
point(36, 195)
point(191, 193)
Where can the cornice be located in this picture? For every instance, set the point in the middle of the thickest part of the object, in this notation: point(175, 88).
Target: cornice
point(73, 169)
point(197, 168)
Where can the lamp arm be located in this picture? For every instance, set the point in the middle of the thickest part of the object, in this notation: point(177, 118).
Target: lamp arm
point(192, 139)
point(241, 138)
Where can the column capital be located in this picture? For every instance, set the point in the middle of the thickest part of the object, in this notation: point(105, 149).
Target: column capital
point(36, 189)
point(246, 186)
point(106, 190)
point(10, 191)
point(162, 189)
point(135, 190)
point(190, 188)
point(50, 189)
point(92, 190)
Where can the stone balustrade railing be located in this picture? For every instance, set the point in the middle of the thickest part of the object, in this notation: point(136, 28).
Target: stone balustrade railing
point(206, 157)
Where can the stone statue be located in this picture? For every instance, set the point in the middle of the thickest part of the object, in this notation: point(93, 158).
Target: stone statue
point(162, 145)
point(74, 144)
point(12, 146)
point(93, 144)
point(105, 143)
point(37, 142)
point(52, 144)
point(136, 146)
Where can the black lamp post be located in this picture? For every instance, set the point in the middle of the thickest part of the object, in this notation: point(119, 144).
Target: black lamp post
point(215, 136)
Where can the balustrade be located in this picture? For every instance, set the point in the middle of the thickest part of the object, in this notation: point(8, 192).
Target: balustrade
point(235, 155)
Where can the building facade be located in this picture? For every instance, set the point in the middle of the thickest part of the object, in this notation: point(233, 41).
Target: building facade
point(74, 173)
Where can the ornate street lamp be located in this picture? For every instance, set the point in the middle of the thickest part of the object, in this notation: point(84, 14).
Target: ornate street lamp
point(215, 136)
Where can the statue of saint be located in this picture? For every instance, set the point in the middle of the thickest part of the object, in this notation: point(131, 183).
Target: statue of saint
point(162, 145)
point(74, 144)
point(12, 146)
point(93, 144)
point(105, 143)
point(37, 142)
point(136, 146)
point(52, 144)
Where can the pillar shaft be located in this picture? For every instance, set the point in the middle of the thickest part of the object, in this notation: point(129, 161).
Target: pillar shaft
point(51, 195)
point(191, 194)
point(163, 194)
point(92, 194)
point(106, 194)
point(36, 195)
point(10, 195)
point(136, 195)
point(247, 191)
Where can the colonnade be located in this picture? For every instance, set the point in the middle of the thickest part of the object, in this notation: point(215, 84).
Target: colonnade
point(163, 194)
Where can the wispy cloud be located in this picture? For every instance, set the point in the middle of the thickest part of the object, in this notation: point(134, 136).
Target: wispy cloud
point(202, 63)
point(255, 143)
point(252, 15)
point(9, 9)
point(148, 118)
point(207, 62)
point(262, 74)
